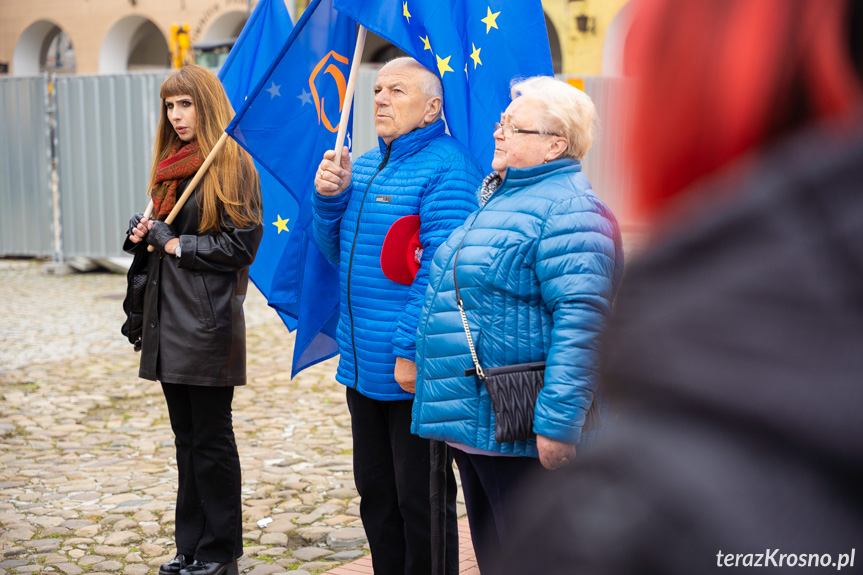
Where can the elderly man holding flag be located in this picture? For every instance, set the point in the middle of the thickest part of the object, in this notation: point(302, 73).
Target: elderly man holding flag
point(475, 47)
point(417, 170)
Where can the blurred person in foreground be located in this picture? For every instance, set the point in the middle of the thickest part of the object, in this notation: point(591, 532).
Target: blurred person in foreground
point(734, 353)
point(194, 339)
point(537, 268)
point(416, 170)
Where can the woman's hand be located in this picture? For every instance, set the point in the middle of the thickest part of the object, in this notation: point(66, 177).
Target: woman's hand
point(554, 454)
point(140, 229)
point(171, 246)
point(161, 235)
point(406, 374)
point(331, 180)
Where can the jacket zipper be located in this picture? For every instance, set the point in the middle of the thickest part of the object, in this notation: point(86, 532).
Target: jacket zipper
point(351, 264)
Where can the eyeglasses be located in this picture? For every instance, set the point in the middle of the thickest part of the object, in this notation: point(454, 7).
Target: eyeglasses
point(508, 130)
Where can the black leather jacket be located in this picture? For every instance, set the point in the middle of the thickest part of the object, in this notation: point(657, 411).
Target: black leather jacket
point(194, 329)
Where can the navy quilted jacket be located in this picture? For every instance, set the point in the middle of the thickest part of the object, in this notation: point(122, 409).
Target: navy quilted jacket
point(538, 270)
point(425, 172)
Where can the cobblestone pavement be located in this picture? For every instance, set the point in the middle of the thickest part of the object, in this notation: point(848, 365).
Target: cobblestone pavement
point(87, 468)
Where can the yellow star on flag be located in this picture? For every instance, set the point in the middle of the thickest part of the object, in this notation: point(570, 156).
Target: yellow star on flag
point(490, 20)
point(407, 14)
point(443, 65)
point(281, 224)
point(426, 43)
point(475, 56)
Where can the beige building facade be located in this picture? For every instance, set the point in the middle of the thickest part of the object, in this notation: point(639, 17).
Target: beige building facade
point(112, 36)
point(107, 36)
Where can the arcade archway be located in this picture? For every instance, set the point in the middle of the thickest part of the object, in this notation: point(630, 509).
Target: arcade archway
point(226, 27)
point(43, 46)
point(554, 44)
point(134, 43)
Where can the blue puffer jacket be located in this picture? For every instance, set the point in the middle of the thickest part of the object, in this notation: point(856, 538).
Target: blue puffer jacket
point(538, 270)
point(424, 172)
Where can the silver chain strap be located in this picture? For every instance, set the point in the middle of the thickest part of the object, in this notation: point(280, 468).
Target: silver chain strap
point(479, 372)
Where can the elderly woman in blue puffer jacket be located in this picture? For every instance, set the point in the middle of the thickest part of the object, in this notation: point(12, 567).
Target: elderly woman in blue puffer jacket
point(538, 267)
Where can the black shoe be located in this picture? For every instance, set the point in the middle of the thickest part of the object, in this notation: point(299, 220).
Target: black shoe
point(174, 566)
point(211, 568)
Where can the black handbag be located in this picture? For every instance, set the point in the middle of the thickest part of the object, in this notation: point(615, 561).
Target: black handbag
point(133, 304)
point(513, 389)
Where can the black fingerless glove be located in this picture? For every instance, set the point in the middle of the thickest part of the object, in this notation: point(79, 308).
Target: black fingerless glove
point(160, 234)
point(133, 223)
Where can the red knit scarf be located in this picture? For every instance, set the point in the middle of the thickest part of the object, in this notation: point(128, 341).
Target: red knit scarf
point(183, 162)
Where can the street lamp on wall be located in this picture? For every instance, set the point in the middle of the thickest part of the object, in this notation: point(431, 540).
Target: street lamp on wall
point(585, 23)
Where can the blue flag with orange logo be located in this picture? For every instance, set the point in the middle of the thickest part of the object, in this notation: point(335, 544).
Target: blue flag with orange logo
point(287, 123)
point(260, 41)
point(475, 46)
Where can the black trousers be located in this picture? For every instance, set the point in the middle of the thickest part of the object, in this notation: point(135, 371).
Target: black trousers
point(209, 512)
point(490, 484)
point(391, 471)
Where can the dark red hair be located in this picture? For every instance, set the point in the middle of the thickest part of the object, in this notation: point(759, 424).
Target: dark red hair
point(718, 78)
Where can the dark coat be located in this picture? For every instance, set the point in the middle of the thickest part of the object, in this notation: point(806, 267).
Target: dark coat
point(736, 355)
point(194, 329)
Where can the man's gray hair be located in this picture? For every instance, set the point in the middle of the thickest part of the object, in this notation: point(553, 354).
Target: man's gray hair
point(566, 110)
point(430, 84)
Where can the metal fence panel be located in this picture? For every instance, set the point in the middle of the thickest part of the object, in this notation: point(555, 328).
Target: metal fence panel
point(605, 164)
point(25, 168)
point(106, 126)
point(365, 137)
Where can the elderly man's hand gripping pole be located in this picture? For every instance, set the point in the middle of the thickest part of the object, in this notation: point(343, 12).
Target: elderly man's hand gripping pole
point(331, 179)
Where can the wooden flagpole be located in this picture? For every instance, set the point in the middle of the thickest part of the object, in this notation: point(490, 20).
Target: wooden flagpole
point(349, 95)
point(194, 183)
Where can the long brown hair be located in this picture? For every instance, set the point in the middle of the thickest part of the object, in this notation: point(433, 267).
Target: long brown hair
point(231, 185)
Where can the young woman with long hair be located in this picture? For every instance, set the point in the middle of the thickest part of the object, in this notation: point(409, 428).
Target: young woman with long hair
point(193, 339)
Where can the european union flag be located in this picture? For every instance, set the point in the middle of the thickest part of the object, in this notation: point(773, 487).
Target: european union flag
point(287, 123)
point(476, 47)
point(259, 43)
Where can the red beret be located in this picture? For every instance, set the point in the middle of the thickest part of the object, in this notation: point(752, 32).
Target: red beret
point(402, 250)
